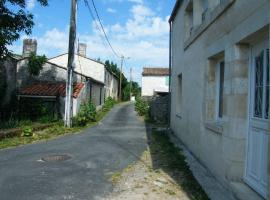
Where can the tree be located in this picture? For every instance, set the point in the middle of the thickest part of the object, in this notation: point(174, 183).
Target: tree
point(14, 19)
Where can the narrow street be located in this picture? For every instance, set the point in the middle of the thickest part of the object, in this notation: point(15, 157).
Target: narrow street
point(91, 159)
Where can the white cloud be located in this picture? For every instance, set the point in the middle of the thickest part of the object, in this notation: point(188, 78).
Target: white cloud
point(143, 37)
point(30, 4)
point(136, 1)
point(111, 10)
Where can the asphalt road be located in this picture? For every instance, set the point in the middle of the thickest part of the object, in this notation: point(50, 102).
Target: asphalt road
point(96, 154)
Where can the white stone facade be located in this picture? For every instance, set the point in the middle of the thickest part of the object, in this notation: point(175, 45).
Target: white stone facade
point(153, 84)
point(228, 31)
point(111, 85)
point(83, 65)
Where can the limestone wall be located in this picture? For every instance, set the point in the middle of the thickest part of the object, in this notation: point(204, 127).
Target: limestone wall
point(219, 144)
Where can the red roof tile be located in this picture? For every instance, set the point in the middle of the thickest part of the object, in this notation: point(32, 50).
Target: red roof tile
point(50, 89)
point(155, 71)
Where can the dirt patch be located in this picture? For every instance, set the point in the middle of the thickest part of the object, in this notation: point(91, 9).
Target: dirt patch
point(160, 174)
point(140, 181)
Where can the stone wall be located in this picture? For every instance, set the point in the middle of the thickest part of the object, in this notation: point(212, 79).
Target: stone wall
point(7, 80)
point(220, 144)
point(159, 109)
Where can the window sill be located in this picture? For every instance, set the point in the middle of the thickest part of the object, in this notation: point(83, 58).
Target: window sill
point(215, 126)
point(211, 17)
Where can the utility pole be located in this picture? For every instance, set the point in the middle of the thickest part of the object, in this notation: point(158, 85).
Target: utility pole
point(71, 64)
point(130, 87)
point(121, 68)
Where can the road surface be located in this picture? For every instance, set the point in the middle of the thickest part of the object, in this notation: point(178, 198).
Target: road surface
point(95, 154)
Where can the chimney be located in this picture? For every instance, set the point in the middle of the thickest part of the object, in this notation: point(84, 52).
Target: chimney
point(82, 49)
point(29, 46)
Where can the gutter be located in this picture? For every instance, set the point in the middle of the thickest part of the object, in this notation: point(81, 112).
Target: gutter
point(170, 74)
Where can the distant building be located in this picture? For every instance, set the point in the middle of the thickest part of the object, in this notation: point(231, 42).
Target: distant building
point(155, 81)
point(92, 81)
point(220, 89)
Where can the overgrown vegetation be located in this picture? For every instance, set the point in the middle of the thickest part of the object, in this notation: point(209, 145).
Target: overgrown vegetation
point(26, 111)
point(35, 64)
point(87, 113)
point(169, 158)
point(57, 129)
point(142, 107)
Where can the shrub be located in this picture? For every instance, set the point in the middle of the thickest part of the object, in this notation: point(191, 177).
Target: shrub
point(35, 64)
point(86, 114)
point(27, 131)
point(141, 107)
point(109, 103)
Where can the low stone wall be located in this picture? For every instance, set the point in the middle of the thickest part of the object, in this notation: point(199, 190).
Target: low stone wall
point(159, 109)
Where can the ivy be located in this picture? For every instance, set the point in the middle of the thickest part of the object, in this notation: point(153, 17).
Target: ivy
point(35, 64)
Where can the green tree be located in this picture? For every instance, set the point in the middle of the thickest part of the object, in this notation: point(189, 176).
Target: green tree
point(14, 19)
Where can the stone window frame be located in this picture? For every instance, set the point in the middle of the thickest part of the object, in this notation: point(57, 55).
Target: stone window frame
point(216, 124)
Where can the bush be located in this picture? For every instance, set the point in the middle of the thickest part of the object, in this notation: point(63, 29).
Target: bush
point(141, 107)
point(35, 64)
point(86, 114)
point(109, 103)
point(27, 131)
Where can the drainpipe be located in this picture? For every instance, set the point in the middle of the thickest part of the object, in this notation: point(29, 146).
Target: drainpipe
point(170, 69)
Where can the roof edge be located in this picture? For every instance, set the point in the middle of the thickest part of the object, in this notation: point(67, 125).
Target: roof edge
point(175, 10)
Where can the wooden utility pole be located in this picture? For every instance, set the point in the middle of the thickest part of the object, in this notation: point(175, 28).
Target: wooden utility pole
point(120, 87)
point(130, 87)
point(71, 64)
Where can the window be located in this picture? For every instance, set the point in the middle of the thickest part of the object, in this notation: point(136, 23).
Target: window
point(261, 84)
point(220, 89)
point(179, 95)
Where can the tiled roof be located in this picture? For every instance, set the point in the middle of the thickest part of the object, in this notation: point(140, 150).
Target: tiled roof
point(155, 71)
point(50, 89)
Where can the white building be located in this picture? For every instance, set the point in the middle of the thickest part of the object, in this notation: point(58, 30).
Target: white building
point(220, 89)
point(155, 81)
point(91, 79)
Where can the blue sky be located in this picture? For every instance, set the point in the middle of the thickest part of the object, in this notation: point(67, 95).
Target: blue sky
point(136, 28)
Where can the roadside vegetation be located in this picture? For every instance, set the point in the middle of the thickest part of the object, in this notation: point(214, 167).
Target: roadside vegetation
point(161, 172)
point(87, 117)
point(142, 107)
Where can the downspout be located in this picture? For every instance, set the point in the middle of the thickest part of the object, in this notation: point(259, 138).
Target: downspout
point(170, 74)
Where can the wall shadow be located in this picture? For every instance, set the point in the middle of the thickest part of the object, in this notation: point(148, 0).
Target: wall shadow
point(170, 159)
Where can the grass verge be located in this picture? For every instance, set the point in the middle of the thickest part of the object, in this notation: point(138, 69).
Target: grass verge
point(52, 132)
point(166, 156)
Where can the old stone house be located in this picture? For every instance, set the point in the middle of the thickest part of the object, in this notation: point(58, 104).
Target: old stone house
point(219, 59)
point(88, 79)
point(155, 81)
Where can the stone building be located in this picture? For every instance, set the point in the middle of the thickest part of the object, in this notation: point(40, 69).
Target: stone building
point(155, 81)
point(219, 59)
point(88, 79)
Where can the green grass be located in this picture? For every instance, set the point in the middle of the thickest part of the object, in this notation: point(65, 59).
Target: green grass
point(52, 132)
point(171, 160)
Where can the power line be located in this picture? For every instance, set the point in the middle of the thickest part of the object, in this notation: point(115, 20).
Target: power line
point(103, 30)
point(95, 21)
